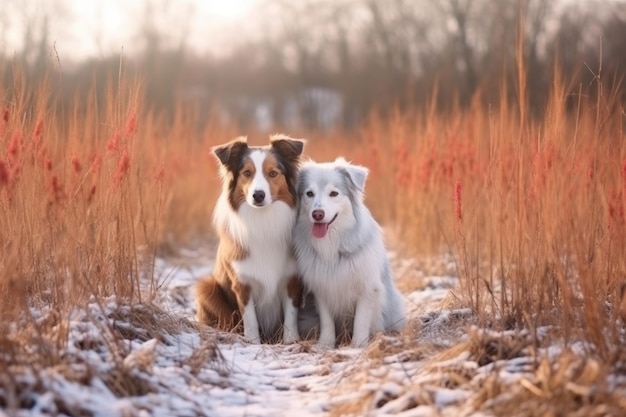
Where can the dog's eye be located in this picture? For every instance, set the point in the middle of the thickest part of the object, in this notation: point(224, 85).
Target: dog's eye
point(273, 174)
point(247, 173)
point(333, 194)
point(309, 194)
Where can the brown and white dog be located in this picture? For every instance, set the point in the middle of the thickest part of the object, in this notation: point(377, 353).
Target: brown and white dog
point(255, 276)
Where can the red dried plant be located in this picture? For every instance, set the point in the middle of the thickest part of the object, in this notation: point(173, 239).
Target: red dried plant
point(458, 208)
point(96, 164)
point(38, 128)
point(5, 120)
point(5, 177)
point(76, 165)
point(160, 174)
point(123, 165)
point(46, 162)
point(56, 190)
point(92, 193)
point(402, 164)
point(131, 124)
point(372, 156)
point(14, 146)
point(114, 142)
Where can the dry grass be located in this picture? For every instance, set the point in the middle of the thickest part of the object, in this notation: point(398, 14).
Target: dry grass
point(89, 193)
point(497, 373)
point(533, 211)
point(88, 197)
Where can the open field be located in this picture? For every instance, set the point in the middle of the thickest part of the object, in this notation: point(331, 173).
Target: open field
point(525, 214)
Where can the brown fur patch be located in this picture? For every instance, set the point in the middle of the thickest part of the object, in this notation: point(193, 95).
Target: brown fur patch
point(214, 306)
point(277, 180)
point(242, 291)
point(216, 297)
point(294, 291)
point(242, 186)
point(288, 152)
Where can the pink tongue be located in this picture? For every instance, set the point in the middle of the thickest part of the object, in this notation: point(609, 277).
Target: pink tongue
point(320, 229)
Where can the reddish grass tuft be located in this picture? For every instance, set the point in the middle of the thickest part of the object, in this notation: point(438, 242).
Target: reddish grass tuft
point(114, 142)
point(123, 165)
point(131, 124)
point(15, 145)
point(160, 174)
point(92, 193)
point(4, 174)
point(56, 190)
point(458, 210)
point(46, 162)
point(76, 165)
point(38, 128)
point(96, 164)
point(616, 212)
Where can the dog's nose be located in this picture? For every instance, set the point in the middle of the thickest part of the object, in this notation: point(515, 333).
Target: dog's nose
point(318, 215)
point(258, 196)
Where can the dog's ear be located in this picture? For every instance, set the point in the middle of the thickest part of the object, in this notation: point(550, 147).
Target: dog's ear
point(289, 147)
point(356, 173)
point(230, 151)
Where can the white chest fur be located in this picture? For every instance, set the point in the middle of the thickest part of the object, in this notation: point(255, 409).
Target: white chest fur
point(266, 234)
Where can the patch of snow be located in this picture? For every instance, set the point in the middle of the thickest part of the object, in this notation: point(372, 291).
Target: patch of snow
point(444, 397)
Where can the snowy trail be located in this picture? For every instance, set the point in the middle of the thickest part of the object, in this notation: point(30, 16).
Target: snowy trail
point(270, 380)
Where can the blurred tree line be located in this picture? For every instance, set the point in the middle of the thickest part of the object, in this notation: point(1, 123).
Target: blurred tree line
point(326, 63)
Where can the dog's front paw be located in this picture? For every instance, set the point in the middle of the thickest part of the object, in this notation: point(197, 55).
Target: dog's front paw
point(252, 335)
point(325, 343)
point(290, 335)
point(359, 343)
point(322, 347)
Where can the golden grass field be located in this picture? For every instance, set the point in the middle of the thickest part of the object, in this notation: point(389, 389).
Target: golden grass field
point(531, 207)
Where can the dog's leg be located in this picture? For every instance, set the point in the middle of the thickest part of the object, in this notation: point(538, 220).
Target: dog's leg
point(248, 312)
point(250, 323)
point(291, 303)
point(290, 328)
point(327, 325)
point(363, 316)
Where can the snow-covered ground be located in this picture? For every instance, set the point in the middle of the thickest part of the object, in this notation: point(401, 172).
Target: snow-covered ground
point(153, 360)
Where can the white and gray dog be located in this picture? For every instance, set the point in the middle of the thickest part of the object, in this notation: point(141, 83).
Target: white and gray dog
point(341, 254)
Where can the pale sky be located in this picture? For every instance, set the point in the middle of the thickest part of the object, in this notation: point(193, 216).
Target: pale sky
point(82, 29)
point(92, 28)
